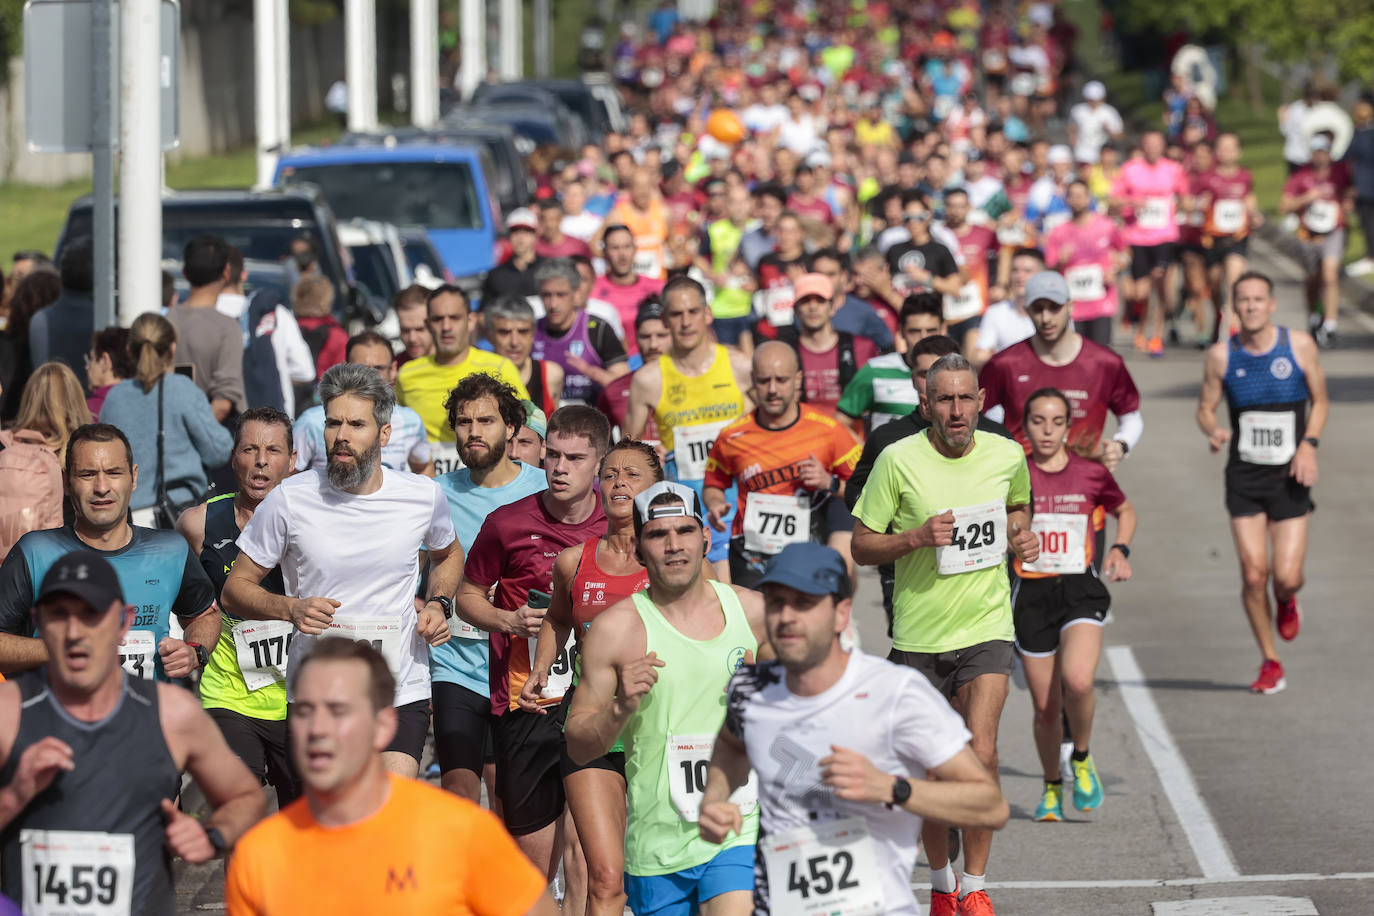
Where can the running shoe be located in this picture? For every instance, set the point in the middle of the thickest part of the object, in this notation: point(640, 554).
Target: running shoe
point(976, 904)
point(1361, 268)
point(1326, 337)
point(1156, 347)
point(1051, 807)
point(1290, 618)
point(1141, 343)
point(944, 904)
point(1087, 788)
point(1270, 678)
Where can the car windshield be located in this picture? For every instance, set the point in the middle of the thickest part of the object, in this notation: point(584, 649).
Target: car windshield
point(259, 241)
point(422, 254)
point(435, 195)
point(371, 268)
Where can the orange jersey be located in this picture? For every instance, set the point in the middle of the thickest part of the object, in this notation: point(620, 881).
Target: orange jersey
point(650, 229)
point(768, 460)
point(425, 851)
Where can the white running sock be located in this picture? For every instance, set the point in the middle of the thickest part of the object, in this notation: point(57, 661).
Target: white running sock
point(1329, 325)
point(970, 883)
point(942, 879)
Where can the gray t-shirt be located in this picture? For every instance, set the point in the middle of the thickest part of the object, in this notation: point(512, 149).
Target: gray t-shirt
point(213, 344)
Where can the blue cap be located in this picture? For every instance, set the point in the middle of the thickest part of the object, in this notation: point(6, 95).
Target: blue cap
point(812, 569)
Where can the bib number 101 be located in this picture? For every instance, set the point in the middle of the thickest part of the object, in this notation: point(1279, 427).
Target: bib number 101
point(825, 874)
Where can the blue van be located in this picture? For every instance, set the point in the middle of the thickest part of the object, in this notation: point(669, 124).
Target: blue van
point(437, 187)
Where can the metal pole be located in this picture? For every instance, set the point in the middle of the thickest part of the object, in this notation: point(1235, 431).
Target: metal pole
point(543, 29)
point(360, 63)
point(265, 88)
point(473, 35)
point(282, 11)
point(104, 83)
point(140, 160)
point(512, 40)
point(424, 62)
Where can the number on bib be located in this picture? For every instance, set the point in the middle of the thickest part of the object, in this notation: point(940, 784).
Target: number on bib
point(137, 653)
point(777, 305)
point(826, 868)
point(692, 445)
point(980, 539)
point(1267, 437)
point(1321, 216)
point(560, 672)
point(262, 647)
point(73, 871)
point(1154, 213)
point(648, 263)
point(772, 521)
point(966, 305)
point(1063, 543)
point(1229, 216)
point(1087, 283)
point(385, 634)
point(688, 761)
point(445, 455)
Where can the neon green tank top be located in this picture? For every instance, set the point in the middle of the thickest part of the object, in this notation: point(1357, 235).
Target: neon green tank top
point(712, 399)
point(668, 740)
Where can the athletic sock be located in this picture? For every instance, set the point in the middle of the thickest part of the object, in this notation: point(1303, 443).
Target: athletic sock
point(970, 883)
point(942, 879)
point(1329, 325)
point(1054, 782)
point(1079, 756)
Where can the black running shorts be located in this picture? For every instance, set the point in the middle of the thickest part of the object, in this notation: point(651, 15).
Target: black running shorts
point(1043, 608)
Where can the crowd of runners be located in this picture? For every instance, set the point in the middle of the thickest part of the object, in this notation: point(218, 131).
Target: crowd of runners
point(840, 303)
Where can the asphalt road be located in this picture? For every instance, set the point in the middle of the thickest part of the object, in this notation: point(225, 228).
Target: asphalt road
point(1217, 801)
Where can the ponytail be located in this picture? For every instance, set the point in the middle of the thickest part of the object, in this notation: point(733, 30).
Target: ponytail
point(150, 344)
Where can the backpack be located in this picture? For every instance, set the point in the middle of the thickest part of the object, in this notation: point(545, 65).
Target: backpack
point(848, 364)
point(30, 486)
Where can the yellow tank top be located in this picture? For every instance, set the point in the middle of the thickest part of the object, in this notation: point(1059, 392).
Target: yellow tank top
point(694, 408)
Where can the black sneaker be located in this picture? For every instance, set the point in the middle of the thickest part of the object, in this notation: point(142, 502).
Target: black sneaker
point(1325, 339)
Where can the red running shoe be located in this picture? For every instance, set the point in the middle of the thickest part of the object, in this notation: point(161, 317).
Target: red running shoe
point(1270, 678)
point(945, 904)
point(1290, 618)
point(976, 904)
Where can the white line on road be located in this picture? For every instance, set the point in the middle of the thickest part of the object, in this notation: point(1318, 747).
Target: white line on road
point(1116, 883)
point(1237, 906)
point(1213, 855)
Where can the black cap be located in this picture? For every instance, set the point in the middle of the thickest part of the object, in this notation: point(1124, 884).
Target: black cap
point(85, 574)
point(649, 309)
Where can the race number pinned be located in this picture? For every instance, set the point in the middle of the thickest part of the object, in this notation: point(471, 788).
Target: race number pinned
point(459, 628)
point(445, 456)
point(967, 304)
point(77, 872)
point(137, 653)
point(560, 672)
point(648, 262)
point(262, 647)
point(1063, 543)
point(1229, 216)
point(1267, 437)
point(385, 634)
point(1321, 216)
point(980, 539)
point(824, 869)
point(1154, 213)
point(772, 521)
point(778, 304)
point(692, 445)
point(689, 760)
point(1087, 283)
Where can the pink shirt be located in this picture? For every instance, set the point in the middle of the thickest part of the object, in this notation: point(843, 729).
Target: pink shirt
point(1084, 255)
point(626, 300)
point(1150, 193)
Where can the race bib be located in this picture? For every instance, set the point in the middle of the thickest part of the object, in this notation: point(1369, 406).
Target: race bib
point(980, 539)
point(1011, 236)
point(137, 651)
point(777, 305)
point(967, 304)
point(1087, 283)
point(994, 61)
point(1321, 216)
point(824, 869)
point(445, 455)
point(560, 672)
point(261, 647)
point(1267, 437)
point(382, 633)
point(1153, 213)
point(648, 262)
point(689, 760)
point(77, 872)
point(459, 628)
point(1229, 216)
point(1063, 543)
point(692, 445)
point(772, 521)
point(1051, 221)
point(1023, 84)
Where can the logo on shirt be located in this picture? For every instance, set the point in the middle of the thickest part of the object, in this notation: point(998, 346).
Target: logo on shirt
point(398, 884)
point(735, 659)
point(1023, 378)
point(676, 392)
point(222, 544)
point(575, 349)
point(1281, 368)
point(151, 581)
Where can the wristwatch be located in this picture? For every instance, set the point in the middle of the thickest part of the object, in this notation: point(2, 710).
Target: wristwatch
point(1312, 441)
point(216, 840)
point(444, 602)
point(901, 791)
point(202, 654)
point(1125, 551)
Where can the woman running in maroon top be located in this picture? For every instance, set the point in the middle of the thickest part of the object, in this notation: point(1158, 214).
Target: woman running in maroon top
point(587, 579)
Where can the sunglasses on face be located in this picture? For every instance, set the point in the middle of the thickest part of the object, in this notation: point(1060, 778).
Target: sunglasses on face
point(918, 217)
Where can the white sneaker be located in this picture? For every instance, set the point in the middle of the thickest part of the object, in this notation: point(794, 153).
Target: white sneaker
point(1361, 268)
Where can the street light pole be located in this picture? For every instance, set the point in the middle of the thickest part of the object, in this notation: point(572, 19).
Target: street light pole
point(140, 160)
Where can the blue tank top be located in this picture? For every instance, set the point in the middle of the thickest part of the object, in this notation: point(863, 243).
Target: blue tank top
point(576, 341)
point(1267, 396)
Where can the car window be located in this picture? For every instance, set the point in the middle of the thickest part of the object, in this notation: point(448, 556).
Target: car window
point(436, 195)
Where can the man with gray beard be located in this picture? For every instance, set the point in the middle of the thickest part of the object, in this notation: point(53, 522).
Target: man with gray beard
point(348, 542)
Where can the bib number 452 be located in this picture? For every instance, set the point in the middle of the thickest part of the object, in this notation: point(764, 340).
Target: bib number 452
point(824, 874)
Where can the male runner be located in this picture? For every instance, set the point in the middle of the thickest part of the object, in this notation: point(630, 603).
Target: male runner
point(1089, 250)
point(583, 346)
point(510, 328)
point(155, 568)
point(1006, 323)
point(977, 245)
point(1231, 211)
point(653, 339)
point(790, 462)
point(832, 785)
point(90, 761)
point(624, 285)
point(955, 501)
point(406, 450)
point(244, 685)
point(348, 542)
point(527, 445)
point(484, 414)
point(364, 840)
point(409, 305)
point(515, 552)
point(1322, 196)
point(647, 664)
point(691, 392)
point(423, 384)
point(881, 391)
point(1268, 374)
point(829, 358)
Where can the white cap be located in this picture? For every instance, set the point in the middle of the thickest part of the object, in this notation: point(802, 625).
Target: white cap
point(1094, 91)
point(1319, 141)
point(1059, 153)
point(819, 159)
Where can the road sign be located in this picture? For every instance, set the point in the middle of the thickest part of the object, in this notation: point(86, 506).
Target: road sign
point(58, 81)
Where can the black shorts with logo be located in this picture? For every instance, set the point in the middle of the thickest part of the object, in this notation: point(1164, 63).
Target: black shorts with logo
point(528, 781)
point(1043, 608)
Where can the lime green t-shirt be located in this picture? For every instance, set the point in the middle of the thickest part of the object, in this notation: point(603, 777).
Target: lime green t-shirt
point(911, 481)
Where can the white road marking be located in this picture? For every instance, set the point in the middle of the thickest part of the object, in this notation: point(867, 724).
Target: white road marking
point(1120, 883)
point(1237, 906)
point(1213, 855)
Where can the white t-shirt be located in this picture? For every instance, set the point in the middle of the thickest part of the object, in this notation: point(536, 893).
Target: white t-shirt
point(798, 136)
point(582, 226)
point(763, 118)
point(1003, 325)
point(1095, 127)
point(888, 713)
point(362, 551)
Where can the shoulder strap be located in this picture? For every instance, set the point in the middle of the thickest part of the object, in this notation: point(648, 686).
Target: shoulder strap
point(846, 359)
point(160, 482)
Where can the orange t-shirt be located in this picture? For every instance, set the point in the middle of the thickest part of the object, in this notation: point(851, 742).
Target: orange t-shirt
point(425, 851)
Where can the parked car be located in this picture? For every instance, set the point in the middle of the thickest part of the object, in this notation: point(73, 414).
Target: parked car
point(380, 267)
point(575, 95)
point(546, 122)
point(513, 184)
